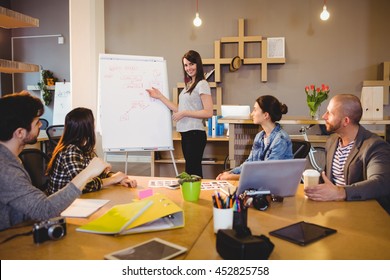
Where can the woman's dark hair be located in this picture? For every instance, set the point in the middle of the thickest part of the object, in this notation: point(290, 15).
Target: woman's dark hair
point(79, 130)
point(18, 110)
point(194, 57)
point(272, 106)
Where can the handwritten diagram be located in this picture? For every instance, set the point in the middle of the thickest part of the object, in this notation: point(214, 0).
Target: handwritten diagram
point(125, 105)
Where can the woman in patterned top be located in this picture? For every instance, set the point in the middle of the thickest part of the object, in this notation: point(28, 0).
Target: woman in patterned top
point(74, 152)
point(272, 143)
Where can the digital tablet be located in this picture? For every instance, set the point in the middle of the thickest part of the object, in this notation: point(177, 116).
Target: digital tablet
point(302, 233)
point(153, 249)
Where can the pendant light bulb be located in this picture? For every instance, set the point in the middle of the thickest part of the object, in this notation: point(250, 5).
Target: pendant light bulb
point(197, 21)
point(325, 14)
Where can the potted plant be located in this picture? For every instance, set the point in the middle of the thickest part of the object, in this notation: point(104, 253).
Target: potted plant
point(190, 186)
point(47, 79)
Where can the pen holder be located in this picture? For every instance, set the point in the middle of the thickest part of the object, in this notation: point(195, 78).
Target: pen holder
point(240, 219)
point(223, 218)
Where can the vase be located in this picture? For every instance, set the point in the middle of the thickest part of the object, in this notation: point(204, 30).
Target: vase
point(315, 114)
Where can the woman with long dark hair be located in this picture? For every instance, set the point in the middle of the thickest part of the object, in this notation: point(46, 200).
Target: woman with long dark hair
point(195, 105)
point(75, 150)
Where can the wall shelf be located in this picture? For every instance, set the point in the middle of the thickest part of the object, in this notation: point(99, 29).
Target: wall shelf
point(36, 87)
point(12, 19)
point(9, 66)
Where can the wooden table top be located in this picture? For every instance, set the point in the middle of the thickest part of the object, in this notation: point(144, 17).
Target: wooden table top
point(363, 229)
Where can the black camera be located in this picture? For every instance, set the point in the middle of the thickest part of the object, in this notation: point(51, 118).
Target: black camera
point(260, 200)
point(52, 229)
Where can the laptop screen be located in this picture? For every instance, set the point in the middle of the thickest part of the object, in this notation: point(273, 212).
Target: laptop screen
point(280, 177)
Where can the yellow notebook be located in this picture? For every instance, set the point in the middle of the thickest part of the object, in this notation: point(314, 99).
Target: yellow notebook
point(153, 213)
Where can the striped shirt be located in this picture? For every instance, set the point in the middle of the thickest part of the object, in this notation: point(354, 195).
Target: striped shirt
point(339, 159)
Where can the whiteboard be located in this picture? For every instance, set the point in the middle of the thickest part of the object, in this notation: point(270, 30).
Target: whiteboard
point(128, 118)
point(62, 102)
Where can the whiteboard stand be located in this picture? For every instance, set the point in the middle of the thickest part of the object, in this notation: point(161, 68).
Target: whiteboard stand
point(126, 154)
point(174, 163)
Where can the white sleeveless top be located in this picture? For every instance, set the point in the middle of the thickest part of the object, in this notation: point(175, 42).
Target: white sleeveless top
point(192, 102)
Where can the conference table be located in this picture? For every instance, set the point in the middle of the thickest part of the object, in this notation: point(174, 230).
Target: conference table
point(363, 229)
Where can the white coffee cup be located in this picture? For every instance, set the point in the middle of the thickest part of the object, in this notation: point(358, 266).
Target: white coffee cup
point(311, 177)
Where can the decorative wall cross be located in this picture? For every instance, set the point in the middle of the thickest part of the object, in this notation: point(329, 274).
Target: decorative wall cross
point(241, 40)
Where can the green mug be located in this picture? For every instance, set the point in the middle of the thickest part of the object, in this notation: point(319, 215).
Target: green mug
point(191, 191)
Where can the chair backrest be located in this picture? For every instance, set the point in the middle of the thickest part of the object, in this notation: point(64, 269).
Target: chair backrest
point(301, 148)
point(54, 133)
point(35, 162)
point(44, 122)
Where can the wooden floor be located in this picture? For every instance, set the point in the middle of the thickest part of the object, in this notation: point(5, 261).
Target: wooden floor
point(133, 168)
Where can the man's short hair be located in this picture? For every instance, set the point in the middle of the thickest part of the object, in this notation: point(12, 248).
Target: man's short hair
point(351, 107)
point(18, 110)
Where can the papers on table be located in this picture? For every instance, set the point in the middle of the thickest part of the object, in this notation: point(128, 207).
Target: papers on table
point(162, 183)
point(211, 185)
point(82, 208)
point(223, 186)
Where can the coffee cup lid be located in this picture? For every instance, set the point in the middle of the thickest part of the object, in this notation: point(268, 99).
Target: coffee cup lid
point(311, 172)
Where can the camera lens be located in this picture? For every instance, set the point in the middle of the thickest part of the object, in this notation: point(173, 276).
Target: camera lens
point(55, 232)
point(260, 202)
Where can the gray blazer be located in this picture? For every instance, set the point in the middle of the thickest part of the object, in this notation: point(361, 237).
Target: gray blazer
point(367, 169)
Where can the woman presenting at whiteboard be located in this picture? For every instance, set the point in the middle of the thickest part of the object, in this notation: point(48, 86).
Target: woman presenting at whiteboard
point(195, 105)
point(73, 153)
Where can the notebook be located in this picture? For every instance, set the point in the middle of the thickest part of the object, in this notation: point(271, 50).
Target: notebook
point(153, 213)
point(280, 177)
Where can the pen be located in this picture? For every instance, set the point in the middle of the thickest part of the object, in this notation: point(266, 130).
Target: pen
point(214, 201)
point(220, 199)
point(217, 200)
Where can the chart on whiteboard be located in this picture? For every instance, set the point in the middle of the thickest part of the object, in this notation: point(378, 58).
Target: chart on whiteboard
point(130, 119)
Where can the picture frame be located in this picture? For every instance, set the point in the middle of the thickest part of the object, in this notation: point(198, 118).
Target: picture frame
point(276, 47)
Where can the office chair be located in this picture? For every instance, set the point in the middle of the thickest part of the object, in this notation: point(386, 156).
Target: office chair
point(35, 162)
point(301, 148)
point(44, 122)
point(54, 132)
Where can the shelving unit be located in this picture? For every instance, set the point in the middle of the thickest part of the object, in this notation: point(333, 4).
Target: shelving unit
point(242, 132)
point(12, 19)
point(216, 148)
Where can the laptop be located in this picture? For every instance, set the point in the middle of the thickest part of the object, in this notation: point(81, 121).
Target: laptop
point(280, 177)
